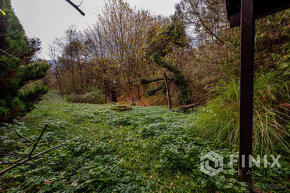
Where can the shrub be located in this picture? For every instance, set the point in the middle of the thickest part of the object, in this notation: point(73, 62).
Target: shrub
point(31, 91)
point(13, 76)
point(94, 97)
point(3, 109)
point(121, 108)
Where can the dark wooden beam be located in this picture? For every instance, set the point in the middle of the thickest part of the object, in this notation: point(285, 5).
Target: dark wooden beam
point(262, 9)
point(235, 20)
point(246, 89)
point(76, 7)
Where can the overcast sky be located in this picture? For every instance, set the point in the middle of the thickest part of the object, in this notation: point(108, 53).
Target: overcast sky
point(48, 19)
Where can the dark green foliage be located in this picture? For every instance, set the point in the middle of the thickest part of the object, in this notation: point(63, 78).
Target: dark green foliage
point(153, 91)
point(18, 69)
point(168, 40)
point(148, 81)
point(3, 31)
point(162, 63)
point(8, 87)
point(33, 71)
point(8, 76)
point(178, 79)
point(12, 77)
point(13, 38)
point(161, 49)
point(30, 93)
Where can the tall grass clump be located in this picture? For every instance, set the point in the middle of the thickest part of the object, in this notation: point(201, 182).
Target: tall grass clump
point(219, 120)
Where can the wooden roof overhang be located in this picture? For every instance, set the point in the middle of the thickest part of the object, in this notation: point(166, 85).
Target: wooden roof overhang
point(262, 8)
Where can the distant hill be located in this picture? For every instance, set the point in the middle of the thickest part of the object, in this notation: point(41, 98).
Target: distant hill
point(51, 62)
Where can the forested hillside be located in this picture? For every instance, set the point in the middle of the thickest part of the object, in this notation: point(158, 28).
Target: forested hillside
point(95, 119)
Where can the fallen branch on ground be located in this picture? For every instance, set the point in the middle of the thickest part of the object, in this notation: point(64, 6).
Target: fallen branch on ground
point(27, 159)
point(23, 136)
point(34, 146)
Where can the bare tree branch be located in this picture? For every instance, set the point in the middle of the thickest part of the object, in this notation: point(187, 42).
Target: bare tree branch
point(200, 19)
point(76, 7)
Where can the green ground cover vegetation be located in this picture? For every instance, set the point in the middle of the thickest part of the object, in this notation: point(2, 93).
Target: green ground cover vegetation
point(147, 149)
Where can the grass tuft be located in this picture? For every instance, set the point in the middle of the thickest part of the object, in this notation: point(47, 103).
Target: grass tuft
point(219, 120)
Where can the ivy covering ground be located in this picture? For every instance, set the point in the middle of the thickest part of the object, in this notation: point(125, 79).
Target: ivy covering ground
point(147, 149)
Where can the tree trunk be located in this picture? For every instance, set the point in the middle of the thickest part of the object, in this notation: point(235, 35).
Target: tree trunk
point(167, 92)
point(73, 78)
point(81, 75)
point(58, 80)
point(138, 93)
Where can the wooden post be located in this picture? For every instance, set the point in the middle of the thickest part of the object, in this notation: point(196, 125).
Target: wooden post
point(167, 92)
point(138, 93)
point(246, 89)
point(132, 102)
point(111, 96)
